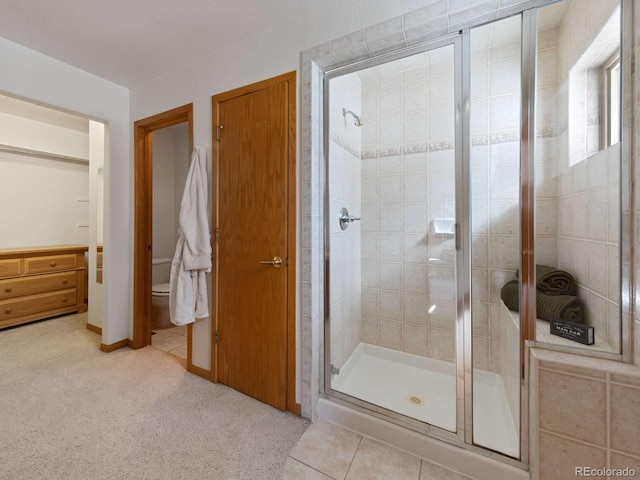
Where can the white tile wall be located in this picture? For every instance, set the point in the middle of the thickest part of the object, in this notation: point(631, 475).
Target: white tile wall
point(412, 107)
point(346, 190)
point(589, 241)
point(587, 183)
point(495, 177)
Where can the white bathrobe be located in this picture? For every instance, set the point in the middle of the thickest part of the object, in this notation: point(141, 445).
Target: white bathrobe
point(188, 297)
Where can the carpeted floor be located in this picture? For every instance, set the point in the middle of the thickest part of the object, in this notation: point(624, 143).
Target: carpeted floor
point(69, 411)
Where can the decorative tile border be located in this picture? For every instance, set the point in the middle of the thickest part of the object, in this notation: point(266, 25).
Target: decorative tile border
point(436, 146)
point(496, 138)
point(344, 143)
point(547, 132)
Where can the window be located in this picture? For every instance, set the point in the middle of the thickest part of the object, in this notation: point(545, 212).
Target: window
point(611, 101)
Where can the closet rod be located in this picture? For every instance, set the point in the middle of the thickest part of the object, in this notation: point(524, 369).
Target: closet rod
point(41, 154)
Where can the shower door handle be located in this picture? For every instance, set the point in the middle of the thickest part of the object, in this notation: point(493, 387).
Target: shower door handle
point(276, 262)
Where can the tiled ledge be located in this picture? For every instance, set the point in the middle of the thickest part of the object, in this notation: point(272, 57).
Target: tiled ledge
point(588, 366)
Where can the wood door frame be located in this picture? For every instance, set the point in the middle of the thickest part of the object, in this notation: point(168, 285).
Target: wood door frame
point(216, 100)
point(143, 231)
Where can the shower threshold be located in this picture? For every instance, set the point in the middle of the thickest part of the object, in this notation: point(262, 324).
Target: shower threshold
point(425, 389)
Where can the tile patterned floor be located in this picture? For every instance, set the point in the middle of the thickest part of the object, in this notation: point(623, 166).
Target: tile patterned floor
point(171, 340)
point(329, 452)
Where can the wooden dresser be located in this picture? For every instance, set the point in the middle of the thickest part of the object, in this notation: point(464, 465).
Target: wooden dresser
point(42, 282)
point(99, 264)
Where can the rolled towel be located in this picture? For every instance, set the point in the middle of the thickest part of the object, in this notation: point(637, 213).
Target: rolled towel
point(553, 281)
point(566, 307)
point(510, 295)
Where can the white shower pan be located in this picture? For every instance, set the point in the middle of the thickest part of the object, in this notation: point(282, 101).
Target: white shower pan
point(425, 389)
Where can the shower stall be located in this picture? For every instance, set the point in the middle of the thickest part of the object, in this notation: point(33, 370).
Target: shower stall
point(436, 158)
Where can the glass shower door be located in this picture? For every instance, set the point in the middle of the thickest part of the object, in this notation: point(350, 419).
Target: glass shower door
point(391, 301)
point(495, 232)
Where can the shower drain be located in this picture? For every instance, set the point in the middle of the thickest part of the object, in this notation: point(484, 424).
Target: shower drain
point(416, 400)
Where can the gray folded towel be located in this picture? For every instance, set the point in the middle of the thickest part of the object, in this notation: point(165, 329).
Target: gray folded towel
point(510, 295)
point(553, 281)
point(565, 307)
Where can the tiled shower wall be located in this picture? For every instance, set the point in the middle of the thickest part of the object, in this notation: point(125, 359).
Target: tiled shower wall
point(407, 181)
point(588, 185)
point(344, 191)
point(589, 238)
point(495, 172)
point(546, 161)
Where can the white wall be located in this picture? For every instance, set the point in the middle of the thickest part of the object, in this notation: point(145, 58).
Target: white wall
point(23, 132)
point(48, 198)
point(164, 193)
point(44, 201)
point(42, 79)
point(267, 54)
point(96, 219)
point(170, 168)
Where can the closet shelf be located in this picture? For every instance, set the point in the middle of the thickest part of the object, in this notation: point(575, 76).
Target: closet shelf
point(41, 154)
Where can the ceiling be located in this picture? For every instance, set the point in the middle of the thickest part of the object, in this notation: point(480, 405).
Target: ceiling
point(130, 41)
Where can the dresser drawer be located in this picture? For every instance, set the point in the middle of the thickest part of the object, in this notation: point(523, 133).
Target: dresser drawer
point(11, 267)
point(51, 263)
point(17, 287)
point(37, 303)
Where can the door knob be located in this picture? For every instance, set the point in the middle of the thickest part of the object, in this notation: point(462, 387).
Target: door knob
point(276, 262)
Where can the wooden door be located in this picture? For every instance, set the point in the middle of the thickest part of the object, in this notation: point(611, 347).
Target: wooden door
point(253, 228)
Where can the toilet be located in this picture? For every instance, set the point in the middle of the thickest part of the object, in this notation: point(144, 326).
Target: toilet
point(161, 269)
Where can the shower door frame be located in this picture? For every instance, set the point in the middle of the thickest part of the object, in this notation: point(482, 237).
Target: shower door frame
point(463, 436)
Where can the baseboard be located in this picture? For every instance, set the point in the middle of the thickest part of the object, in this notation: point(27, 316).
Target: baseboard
point(199, 371)
point(114, 346)
point(297, 409)
point(94, 329)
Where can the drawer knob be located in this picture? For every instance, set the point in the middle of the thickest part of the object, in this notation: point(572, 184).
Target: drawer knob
point(65, 281)
point(7, 310)
point(64, 299)
point(53, 263)
point(8, 289)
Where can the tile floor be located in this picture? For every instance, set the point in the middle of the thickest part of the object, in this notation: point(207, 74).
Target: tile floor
point(172, 340)
point(328, 452)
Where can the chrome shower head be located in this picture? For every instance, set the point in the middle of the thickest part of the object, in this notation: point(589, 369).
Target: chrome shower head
point(356, 119)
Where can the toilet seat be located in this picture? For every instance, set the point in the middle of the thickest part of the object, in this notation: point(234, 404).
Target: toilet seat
point(160, 290)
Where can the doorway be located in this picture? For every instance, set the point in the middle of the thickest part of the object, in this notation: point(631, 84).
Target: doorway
point(55, 160)
point(146, 255)
point(255, 220)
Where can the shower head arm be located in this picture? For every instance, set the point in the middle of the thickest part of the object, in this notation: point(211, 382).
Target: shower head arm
point(356, 119)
